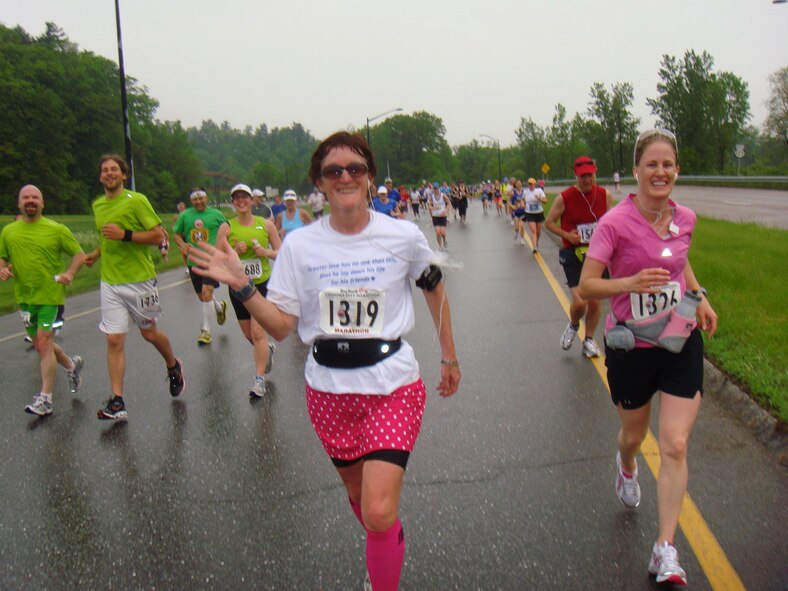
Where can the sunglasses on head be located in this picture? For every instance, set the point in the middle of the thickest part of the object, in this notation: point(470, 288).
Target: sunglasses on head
point(334, 172)
point(657, 131)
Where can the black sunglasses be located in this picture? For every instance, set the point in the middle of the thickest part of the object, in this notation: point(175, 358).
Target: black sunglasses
point(334, 172)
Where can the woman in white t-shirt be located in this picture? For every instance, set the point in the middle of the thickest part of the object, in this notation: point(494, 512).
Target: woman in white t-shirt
point(345, 283)
point(534, 211)
point(439, 206)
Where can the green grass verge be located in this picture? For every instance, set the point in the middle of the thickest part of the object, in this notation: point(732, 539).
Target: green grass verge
point(84, 229)
point(742, 266)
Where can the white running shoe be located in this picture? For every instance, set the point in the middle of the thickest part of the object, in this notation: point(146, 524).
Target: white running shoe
point(270, 363)
point(367, 583)
point(590, 348)
point(569, 336)
point(627, 489)
point(258, 388)
point(74, 379)
point(664, 564)
point(41, 406)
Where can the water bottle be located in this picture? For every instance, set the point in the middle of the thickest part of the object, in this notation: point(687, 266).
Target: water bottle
point(164, 249)
point(680, 324)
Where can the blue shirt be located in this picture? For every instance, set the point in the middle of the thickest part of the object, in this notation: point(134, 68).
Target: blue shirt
point(277, 208)
point(386, 208)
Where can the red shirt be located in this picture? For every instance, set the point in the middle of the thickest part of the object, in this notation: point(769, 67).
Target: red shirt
point(582, 209)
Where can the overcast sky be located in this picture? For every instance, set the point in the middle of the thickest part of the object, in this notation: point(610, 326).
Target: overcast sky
point(480, 65)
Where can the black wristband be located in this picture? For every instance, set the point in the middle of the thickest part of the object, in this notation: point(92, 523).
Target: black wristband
point(245, 293)
point(127, 235)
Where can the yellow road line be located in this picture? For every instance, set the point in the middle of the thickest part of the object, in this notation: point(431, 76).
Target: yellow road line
point(85, 313)
point(708, 551)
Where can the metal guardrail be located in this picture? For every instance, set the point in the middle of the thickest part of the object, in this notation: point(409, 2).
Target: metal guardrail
point(628, 180)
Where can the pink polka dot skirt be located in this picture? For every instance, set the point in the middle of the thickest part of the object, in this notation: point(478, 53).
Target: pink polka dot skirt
point(352, 425)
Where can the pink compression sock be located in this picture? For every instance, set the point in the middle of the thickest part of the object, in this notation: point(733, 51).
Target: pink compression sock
point(385, 552)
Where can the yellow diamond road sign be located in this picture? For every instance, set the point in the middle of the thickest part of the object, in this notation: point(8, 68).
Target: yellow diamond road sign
point(545, 168)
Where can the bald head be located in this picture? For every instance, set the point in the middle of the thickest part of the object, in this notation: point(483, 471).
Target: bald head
point(29, 190)
point(31, 203)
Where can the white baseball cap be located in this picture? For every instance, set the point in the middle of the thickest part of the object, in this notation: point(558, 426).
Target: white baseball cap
point(382, 189)
point(241, 187)
point(290, 195)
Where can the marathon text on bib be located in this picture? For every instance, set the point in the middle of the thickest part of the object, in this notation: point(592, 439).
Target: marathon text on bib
point(148, 301)
point(253, 268)
point(645, 305)
point(351, 310)
point(586, 231)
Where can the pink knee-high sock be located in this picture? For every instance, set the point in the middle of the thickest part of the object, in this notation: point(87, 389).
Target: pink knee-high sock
point(385, 552)
point(356, 511)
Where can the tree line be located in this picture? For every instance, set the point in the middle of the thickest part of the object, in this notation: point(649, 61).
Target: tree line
point(61, 111)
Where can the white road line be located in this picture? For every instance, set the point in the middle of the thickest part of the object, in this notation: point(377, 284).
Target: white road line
point(86, 312)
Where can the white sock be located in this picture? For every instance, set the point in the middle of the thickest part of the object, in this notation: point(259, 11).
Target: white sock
point(217, 305)
point(46, 396)
point(206, 314)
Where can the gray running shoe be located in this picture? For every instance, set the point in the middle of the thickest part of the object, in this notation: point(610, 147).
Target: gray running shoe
point(627, 489)
point(74, 379)
point(115, 410)
point(270, 364)
point(258, 388)
point(569, 336)
point(664, 564)
point(590, 348)
point(41, 406)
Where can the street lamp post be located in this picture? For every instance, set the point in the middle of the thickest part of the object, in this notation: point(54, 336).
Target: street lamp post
point(376, 117)
point(123, 101)
point(498, 146)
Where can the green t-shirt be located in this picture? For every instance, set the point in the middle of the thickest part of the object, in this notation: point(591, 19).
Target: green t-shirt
point(35, 249)
point(125, 262)
point(259, 270)
point(193, 226)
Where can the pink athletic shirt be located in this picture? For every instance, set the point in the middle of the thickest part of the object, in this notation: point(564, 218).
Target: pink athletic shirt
point(626, 243)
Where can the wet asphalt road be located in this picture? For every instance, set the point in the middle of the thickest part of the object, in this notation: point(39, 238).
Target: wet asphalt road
point(510, 486)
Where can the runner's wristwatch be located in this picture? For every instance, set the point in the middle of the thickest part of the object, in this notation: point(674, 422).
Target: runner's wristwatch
point(246, 292)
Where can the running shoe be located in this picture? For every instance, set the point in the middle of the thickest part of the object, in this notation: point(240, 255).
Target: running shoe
point(74, 379)
point(569, 336)
point(221, 313)
point(27, 339)
point(367, 583)
point(177, 381)
point(627, 489)
point(270, 364)
point(41, 406)
point(205, 338)
point(535, 250)
point(115, 410)
point(258, 388)
point(664, 564)
point(590, 348)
